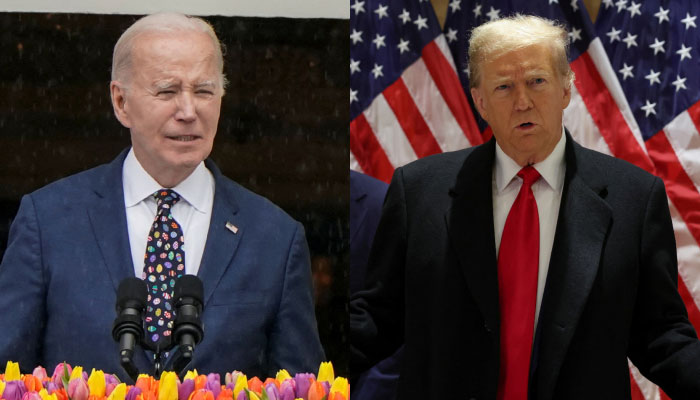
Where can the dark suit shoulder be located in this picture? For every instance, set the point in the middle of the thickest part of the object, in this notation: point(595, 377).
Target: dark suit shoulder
point(436, 168)
point(602, 169)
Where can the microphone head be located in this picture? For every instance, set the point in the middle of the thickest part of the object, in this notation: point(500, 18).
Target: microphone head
point(132, 293)
point(188, 286)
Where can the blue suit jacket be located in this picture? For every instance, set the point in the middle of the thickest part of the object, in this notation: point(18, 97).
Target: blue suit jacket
point(69, 249)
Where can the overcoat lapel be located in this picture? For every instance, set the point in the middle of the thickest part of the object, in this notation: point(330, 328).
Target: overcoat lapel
point(584, 219)
point(470, 229)
point(226, 229)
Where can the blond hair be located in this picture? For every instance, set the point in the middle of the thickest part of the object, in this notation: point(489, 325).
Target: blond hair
point(161, 22)
point(495, 38)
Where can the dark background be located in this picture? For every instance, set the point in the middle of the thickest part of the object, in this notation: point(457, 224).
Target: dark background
point(283, 131)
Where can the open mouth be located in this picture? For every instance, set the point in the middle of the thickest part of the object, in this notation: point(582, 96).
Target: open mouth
point(183, 138)
point(526, 125)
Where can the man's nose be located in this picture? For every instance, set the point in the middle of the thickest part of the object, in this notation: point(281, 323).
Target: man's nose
point(522, 99)
point(186, 107)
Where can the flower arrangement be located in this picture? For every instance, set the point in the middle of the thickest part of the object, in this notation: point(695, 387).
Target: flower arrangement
point(69, 383)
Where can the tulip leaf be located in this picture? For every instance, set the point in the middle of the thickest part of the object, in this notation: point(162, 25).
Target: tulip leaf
point(66, 378)
point(264, 395)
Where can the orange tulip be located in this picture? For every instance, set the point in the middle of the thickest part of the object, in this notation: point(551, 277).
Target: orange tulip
point(32, 383)
point(225, 394)
point(199, 382)
point(271, 380)
point(61, 394)
point(316, 391)
point(255, 384)
point(202, 394)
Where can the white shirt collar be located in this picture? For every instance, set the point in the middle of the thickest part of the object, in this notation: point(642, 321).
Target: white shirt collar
point(139, 185)
point(551, 168)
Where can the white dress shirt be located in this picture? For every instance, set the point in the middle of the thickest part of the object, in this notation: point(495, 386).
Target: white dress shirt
point(192, 212)
point(547, 190)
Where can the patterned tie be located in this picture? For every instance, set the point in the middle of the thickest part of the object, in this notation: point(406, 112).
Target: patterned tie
point(164, 263)
point(518, 263)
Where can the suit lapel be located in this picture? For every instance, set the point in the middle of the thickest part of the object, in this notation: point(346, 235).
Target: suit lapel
point(108, 219)
point(583, 222)
point(222, 241)
point(357, 214)
point(470, 228)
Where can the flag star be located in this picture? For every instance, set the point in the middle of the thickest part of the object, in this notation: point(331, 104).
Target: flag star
point(493, 14)
point(621, 5)
point(658, 46)
point(403, 46)
point(455, 5)
point(631, 40)
point(359, 7)
point(634, 9)
point(608, 3)
point(377, 71)
point(356, 36)
point(653, 77)
point(614, 34)
point(477, 11)
point(575, 35)
point(405, 16)
point(421, 22)
point(451, 35)
point(689, 21)
point(379, 41)
point(381, 11)
point(662, 15)
point(649, 108)
point(353, 95)
point(553, 1)
point(684, 52)
point(354, 66)
point(679, 83)
point(574, 5)
point(626, 71)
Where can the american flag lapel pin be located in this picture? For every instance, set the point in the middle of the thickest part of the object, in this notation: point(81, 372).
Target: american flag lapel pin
point(233, 228)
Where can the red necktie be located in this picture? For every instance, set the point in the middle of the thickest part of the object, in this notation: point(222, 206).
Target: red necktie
point(518, 263)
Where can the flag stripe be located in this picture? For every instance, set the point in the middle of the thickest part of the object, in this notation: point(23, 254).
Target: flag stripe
point(582, 126)
point(409, 117)
point(688, 253)
point(634, 387)
point(682, 135)
point(605, 113)
point(367, 150)
point(433, 108)
point(387, 130)
point(448, 83)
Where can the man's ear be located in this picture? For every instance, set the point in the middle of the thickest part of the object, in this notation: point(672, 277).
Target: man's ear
point(479, 102)
point(117, 92)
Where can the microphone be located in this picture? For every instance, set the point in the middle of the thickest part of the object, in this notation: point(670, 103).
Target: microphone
point(128, 326)
point(187, 329)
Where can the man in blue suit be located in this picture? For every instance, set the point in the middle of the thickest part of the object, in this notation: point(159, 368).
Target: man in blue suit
point(76, 239)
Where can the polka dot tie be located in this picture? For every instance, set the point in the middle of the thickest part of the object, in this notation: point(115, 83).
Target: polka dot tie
point(164, 263)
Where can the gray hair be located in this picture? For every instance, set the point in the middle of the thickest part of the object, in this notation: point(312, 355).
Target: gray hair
point(161, 22)
point(516, 32)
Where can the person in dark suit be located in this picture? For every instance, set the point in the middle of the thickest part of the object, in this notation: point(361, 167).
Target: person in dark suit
point(595, 284)
point(75, 240)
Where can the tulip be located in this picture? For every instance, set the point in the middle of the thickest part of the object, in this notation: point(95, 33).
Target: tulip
point(146, 383)
point(51, 387)
point(213, 384)
point(14, 390)
point(231, 381)
point(12, 371)
point(303, 382)
point(199, 382)
point(201, 394)
point(135, 392)
point(341, 385)
point(325, 372)
point(109, 388)
point(283, 375)
point(168, 386)
point(32, 383)
point(62, 371)
point(76, 373)
point(119, 392)
point(185, 389)
point(272, 391)
point(190, 375)
point(109, 378)
point(78, 389)
point(287, 390)
point(2, 387)
point(255, 385)
point(96, 383)
point(31, 396)
point(40, 373)
point(241, 383)
point(44, 394)
point(225, 394)
point(316, 391)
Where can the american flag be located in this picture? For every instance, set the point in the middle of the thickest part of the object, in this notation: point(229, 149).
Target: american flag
point(636, 97)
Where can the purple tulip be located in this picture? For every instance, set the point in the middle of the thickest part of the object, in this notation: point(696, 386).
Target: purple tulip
point(31, 396)
point(184, 389)
point(303, 384)
point(272, 392)
point(14, 390)
point(242, 395)
point(78, 389)
point(51, 387)
point(58, 373)
point(213, 384)
point(109, 388)
point(287, 390)
point(326, 386)
point(134, 392)
point(40, 373)
point(109, 378)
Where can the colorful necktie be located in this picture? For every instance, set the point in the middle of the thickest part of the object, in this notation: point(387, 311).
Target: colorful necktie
point(518, 263)
point(164, 263)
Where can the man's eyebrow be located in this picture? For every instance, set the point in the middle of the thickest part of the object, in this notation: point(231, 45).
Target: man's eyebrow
point(164, 84)
point(205, 84)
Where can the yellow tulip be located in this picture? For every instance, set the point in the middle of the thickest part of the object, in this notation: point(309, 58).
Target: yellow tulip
point(325, 372)
point(241, 383)
point(46, 396)
point(77, 373)
point(2, 388)
point(342, 386)
point(190, 375)
point(12, 371)
point(282, 375)
point(167, 390)
point(96, 383)
point(252, 395)
point(119, 392)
